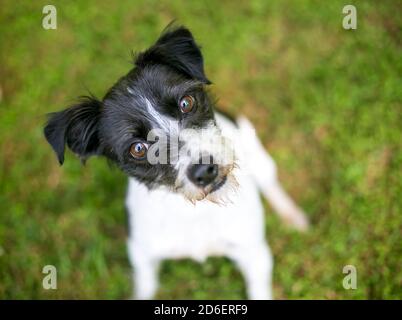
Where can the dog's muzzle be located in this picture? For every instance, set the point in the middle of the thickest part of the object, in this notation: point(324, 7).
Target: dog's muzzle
point(202, 175)
point(208, 177)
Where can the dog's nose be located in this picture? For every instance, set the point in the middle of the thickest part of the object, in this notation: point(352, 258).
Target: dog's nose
point(202, 174)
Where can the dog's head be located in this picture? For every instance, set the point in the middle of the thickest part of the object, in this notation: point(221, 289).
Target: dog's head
point(156, 123)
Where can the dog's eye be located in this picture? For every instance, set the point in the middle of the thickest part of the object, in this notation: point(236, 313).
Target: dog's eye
point(138, 150)
point(186, 104)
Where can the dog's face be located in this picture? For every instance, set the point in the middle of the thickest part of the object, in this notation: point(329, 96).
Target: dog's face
point(156, 123)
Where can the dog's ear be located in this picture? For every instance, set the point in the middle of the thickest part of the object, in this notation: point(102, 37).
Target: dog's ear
point(177, 49)
point(78, 126)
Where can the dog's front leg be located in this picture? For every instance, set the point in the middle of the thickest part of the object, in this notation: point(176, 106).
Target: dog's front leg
point(145, 273)
point(255, 263)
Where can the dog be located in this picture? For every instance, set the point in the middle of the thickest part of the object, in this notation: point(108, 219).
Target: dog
point(195, 174)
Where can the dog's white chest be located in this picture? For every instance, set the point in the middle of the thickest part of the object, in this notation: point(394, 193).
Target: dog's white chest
point(164, 225)
point(169, 226)
point(172, 227)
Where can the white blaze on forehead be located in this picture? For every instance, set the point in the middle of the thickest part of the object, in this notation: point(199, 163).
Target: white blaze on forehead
point(162, 121)
point(131, 91)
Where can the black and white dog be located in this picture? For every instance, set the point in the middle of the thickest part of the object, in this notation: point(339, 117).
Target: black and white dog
point(194, 175)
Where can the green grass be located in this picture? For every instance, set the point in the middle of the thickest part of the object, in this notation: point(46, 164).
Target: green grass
point(326, 102)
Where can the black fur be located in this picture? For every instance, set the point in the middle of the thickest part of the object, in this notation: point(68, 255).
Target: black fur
point(177, 49)
point(78, 126)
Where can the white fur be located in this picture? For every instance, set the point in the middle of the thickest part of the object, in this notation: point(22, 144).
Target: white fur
point(202, 143)
point(163, 122)
point(164, 225)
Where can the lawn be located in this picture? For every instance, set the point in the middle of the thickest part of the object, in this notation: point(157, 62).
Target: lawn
point(326, 102)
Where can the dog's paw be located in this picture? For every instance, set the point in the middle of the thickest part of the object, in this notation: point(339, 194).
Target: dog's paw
point(297, 220)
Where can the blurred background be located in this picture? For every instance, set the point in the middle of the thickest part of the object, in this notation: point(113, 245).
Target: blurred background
point(326, 102)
